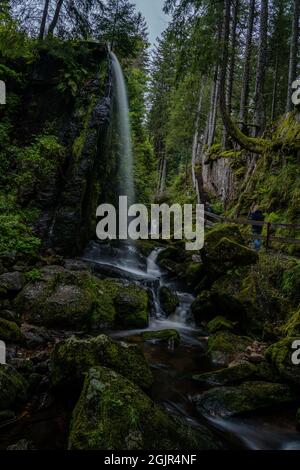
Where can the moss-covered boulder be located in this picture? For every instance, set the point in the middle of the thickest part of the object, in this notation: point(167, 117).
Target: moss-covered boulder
point(225, 347)
point(248, 397)
point(10, 332)
point(76, 300)
point(13, 387)
point(209, 305)
point(72, 358)
point(280, 355)
point(131, 307)
point(169, 337)
point(228, 376)
point(168, 300)
point(215, 235)
point(228, 254)
point(220, 324)
point(113, 413)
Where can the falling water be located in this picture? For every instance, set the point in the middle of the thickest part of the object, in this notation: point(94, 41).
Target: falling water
point(124, 131)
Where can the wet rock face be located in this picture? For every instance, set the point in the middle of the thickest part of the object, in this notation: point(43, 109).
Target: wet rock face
point(72, 358)
point(168, 300)
point(112, 413)
point(248, 397)
point(13, 387)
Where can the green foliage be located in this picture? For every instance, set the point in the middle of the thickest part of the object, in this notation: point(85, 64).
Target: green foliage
point(16, 236)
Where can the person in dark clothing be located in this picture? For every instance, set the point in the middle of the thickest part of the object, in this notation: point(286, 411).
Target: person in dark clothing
point(257, 214)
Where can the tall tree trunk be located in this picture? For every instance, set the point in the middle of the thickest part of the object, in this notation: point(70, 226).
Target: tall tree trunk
point(248, 143)
point(231, 66)
point(196, 142)
point(259, 98)
point(55, 17)
point(44, 19)
point(275, 86)
point(247, 65)
point(293, 53)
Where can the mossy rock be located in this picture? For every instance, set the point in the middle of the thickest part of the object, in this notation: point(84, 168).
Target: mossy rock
point(170, 337)
point(168, 300)
point(220, 324)
point(220, 231)
point(72, 358)
point(147, 246)
point(173, 253)
point(229, 376)
point(248, 397)
point(77, 300)
point(280, 356)
point(131, 307)
point(236, 374)
point(13, 387)
point(59, 298)
point(228, 254)
point(209, 305)
point(10, 332)
point(224, 347)
point(113, 413)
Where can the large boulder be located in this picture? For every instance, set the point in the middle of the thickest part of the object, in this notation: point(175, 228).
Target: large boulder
point(113, 413)
point(10, 332)
point(13, 387)
point(228, 254)
point(72, 358)
point(74, 299)
point(280, 355)
point(248, 397)
point(168, 300)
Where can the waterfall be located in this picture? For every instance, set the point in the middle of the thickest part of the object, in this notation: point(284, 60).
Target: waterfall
point(124, 133)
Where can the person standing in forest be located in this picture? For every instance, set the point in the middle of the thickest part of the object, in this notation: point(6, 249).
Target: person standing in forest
point(256, 214)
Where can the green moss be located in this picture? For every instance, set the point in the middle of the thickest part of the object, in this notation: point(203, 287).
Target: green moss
point(13, 387)
point(228, 342)
point(220, 324)
point(10, 332)
point(292, 327)
point(231, 375)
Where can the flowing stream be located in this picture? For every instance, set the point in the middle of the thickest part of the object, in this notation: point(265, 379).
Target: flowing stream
point(173, 367)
